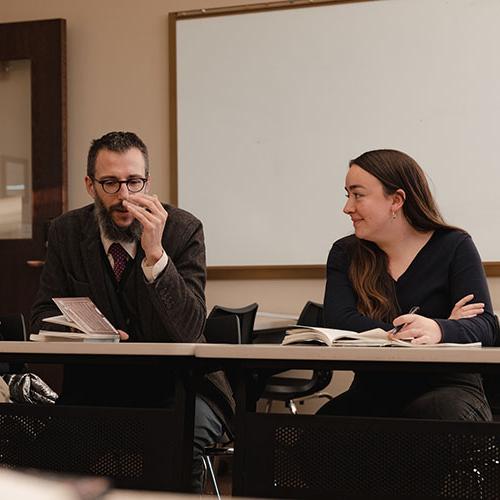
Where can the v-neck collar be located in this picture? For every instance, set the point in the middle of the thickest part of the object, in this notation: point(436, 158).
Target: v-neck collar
point(416, 258)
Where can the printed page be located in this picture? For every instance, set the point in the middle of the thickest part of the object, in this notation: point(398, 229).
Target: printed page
point(61, 320)
point(331, 336)
point(370, 338)
point(334, 334)
point(84, 313)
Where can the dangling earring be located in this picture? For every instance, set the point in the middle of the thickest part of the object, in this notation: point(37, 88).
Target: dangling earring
point(393, 215)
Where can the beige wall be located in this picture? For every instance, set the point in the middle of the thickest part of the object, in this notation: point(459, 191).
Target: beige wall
point(287, 296)
point(118, 80)
point(117, 53)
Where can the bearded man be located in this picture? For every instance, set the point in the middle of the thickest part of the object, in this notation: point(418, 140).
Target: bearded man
point(143, 264)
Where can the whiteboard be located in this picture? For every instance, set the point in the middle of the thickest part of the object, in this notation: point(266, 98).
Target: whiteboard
point(272, 105)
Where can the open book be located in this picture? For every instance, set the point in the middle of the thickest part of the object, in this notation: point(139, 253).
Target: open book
point(86, 323)
point(371, 338)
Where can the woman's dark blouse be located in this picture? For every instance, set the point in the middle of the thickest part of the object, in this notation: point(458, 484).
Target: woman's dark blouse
point(446, 269)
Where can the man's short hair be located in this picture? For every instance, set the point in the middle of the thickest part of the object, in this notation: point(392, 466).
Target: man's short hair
point(119, 142)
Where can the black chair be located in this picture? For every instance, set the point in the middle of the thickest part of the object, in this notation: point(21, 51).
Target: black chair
point(288, 389)
point(12, 328)
point(223, 329)
point(246, 316)
point(226, 326)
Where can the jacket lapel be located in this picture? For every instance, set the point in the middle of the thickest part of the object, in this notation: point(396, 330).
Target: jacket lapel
point(144, 303)
point(92, 256)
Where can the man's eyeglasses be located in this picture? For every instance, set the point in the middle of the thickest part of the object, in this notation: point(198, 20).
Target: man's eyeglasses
point(112, 186)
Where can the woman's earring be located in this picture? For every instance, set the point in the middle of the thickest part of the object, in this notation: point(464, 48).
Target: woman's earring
point(393, 215)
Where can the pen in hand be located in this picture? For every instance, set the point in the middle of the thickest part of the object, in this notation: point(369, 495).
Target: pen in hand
point(396, 329)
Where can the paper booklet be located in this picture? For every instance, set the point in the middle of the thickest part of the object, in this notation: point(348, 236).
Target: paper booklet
point(371, 338)
point(81, 314)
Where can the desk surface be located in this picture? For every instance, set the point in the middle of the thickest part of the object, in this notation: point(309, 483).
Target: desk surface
point(386, 354)
point(490, 355)
point(85, 348)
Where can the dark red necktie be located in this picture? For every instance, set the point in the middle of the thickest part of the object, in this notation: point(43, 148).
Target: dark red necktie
point(120, 258)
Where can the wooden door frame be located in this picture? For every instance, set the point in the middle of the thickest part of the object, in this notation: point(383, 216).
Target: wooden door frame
point(44, 44)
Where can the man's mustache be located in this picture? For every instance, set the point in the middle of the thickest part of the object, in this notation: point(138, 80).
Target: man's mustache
point(117, 207)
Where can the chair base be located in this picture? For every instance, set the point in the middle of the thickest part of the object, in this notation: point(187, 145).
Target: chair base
point(210, 453)
point(291, 404)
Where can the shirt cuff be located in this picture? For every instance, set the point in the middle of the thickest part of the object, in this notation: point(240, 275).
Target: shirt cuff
point(152, 272)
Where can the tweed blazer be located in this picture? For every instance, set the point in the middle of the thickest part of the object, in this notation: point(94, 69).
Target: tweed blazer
point(170, 309)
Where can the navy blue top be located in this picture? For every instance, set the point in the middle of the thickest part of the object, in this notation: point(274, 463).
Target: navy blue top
point(445, 270)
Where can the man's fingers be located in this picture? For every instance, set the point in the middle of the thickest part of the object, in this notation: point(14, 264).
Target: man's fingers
point(139, 207)
point(144, 216)
point(123, 335)
point(147, 210)
point(150, 202)
point(142, 213)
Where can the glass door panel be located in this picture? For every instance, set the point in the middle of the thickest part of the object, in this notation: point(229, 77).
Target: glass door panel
point(15, 150)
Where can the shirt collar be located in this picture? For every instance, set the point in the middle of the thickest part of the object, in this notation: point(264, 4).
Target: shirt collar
point(130, 247)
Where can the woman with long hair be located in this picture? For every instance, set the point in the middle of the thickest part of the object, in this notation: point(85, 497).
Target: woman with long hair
point(403, 255)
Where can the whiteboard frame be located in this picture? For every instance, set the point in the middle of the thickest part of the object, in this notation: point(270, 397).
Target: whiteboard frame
point(492, 268)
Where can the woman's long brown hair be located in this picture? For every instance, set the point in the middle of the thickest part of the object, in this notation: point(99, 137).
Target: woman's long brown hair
point(368, 270)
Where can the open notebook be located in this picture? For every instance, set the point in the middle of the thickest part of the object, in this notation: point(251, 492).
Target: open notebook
point(371, 338)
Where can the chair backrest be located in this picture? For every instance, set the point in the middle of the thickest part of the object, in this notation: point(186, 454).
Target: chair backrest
point(311, 315)
point(223, 329)
point(246, 316)
point(13, 327)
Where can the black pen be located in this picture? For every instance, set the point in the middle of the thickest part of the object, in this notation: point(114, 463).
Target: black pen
point(396, 329)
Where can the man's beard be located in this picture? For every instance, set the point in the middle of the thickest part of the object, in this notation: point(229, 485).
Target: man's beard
point(110, 229)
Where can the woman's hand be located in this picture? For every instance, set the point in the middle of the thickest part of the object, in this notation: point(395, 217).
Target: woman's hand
point(419, 329)
point(461, 310)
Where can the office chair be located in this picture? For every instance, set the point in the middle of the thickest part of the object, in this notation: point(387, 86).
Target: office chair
point(226, 326)
point(246, 316)
point(288, 389)
point(12, 328)
point(223, 329)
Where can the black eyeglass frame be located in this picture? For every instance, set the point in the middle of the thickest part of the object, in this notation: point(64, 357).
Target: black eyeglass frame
point(127, 182)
